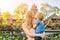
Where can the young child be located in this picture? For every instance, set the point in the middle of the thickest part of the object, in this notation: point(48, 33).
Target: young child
point(38, 25)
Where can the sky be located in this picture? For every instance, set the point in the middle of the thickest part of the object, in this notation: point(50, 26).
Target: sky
point(10, 5)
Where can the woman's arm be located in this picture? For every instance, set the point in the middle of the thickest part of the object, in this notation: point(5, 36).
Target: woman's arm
point(32, 34)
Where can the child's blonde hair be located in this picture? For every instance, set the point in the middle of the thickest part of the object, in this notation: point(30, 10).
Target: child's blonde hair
point(40, 15)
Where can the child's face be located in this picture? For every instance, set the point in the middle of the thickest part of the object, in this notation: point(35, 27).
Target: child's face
point(38, 16)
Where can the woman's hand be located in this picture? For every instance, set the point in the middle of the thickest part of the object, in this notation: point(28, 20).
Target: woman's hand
point(42, 35)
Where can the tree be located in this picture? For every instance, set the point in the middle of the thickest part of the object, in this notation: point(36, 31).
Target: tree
point(55, 10)
point(16, 16)
point(46, 8)
point(22, 8)
point(20, 11)
point(5, 15)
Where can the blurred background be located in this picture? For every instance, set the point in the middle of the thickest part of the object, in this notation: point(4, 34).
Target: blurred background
point(13, 14)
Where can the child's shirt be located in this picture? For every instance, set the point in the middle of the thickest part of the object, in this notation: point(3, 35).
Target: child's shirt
point(39, 29)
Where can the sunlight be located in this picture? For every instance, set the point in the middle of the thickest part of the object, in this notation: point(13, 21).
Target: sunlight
point(10, 5)
point(4, 5)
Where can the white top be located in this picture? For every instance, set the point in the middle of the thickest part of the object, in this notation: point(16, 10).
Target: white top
point(32, 31)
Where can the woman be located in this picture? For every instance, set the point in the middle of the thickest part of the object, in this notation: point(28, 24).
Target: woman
point(27, 26)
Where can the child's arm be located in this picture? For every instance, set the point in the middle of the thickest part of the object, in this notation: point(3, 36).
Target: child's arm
point(35, 24)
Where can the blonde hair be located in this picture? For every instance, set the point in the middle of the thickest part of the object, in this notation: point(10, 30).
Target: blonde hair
point(40, 15)
point(29, 20)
